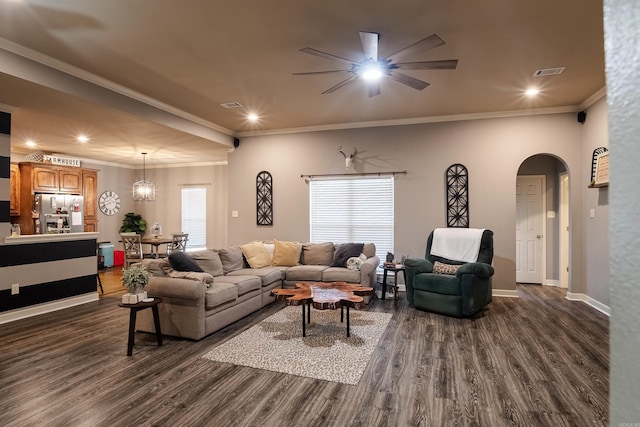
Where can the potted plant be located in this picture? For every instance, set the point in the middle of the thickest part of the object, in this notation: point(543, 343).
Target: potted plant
point(133, 222)
point(135, 279)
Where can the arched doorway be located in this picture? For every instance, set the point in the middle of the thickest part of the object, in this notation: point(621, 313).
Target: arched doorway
point(542, 221)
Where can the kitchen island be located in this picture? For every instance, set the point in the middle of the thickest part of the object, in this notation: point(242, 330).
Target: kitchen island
point(46, 272)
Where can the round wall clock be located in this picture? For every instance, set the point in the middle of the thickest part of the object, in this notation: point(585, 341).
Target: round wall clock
point(109, 203)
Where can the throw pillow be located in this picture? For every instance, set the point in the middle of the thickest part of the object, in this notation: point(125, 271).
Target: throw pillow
point(183, 262)
point(286, 253)
point(209, 261)
point(256, 254)
point(354, 263)
point(346, 251)
point(317, 253)
point(442, 268)
point(231, 259)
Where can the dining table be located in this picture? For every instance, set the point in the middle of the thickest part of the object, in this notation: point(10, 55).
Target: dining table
point(155, 242)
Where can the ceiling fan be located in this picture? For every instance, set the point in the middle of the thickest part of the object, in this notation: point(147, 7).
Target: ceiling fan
point(372, 68)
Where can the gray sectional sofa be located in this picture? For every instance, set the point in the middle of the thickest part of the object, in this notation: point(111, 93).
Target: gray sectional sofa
point(195, 305)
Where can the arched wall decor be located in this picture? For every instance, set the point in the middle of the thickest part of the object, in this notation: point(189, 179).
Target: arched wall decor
point(457, 179)
point(264, 198)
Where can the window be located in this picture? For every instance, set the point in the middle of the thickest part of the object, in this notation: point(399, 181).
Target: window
point(194, 216)
point(353, 210)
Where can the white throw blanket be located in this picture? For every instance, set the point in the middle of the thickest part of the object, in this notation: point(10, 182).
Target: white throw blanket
point(457, 244)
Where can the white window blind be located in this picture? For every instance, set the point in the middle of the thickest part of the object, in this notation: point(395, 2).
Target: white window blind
point(357, 210)
point(194, 216)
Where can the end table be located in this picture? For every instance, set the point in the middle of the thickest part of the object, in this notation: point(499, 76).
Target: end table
point(134, 309)
point(395, 268)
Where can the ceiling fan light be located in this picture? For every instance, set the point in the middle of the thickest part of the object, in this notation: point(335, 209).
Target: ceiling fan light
point(371, 72)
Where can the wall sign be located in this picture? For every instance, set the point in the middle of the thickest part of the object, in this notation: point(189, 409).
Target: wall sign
point(62, 161)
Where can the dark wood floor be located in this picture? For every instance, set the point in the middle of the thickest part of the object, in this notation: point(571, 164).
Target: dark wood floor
point(539, 360)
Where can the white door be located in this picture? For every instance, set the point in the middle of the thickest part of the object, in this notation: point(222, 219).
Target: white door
point(529, 229)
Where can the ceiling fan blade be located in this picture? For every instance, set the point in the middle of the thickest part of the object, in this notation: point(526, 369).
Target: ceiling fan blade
point(426, 43)
point(325, 55)
point(409, 81)
point(321, 72)
point(446, 64)
point(370, 45)
point(374, 89)
point(339, 85)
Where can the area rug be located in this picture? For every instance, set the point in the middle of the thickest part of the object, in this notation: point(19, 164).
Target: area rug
point(326, 353)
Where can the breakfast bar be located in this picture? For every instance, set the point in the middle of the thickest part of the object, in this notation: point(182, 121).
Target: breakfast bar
point(46, 272)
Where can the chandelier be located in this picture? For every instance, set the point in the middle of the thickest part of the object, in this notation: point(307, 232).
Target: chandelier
point(144, 190)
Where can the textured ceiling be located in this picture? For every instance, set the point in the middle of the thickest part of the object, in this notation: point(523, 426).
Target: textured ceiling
point(188, 59)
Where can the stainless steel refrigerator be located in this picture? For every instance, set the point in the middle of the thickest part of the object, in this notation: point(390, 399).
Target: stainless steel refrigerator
point(58, 213)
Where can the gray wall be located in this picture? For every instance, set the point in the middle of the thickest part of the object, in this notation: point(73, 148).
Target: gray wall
point(491, 149)
point(166, 208)
point(622, 37)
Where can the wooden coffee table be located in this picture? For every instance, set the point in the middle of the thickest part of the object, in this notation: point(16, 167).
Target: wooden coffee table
point(324, 296)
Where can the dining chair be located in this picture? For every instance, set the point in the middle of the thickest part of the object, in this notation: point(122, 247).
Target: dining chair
point(179, 243)
point(132, 248)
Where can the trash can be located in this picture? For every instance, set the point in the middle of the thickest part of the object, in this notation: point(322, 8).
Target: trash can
point(105, 250)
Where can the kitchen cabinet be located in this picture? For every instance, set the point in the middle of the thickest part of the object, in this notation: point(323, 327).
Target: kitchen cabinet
point(43, 178)
point(90, 194)
point(48, 179)
point(14, 191)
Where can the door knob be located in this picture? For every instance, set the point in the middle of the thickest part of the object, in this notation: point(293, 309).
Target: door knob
point(539, 236)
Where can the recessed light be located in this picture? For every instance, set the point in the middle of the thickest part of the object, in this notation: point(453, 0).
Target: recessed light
point(30, 143)
point(252, 117)
point(532, 92)
point(82, 138)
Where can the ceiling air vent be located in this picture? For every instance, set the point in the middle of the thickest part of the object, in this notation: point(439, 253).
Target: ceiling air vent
point(548, 72)
point(231, 105)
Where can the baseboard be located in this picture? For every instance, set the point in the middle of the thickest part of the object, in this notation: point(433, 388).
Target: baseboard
point(555, 283)
point(589, 301)
point(47, 307)
point(508, 293)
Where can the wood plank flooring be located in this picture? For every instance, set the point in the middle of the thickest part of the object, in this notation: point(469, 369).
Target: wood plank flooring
point(539, 360)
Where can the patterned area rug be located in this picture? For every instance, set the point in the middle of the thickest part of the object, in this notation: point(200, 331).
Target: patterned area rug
point(326, 353)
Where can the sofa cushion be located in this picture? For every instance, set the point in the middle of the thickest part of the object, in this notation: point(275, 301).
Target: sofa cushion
point(231, 259)
point(442, 268)
point(183, 262)
point(219, 293)
point(286, 253)
point(267, 275)
point(243, 283)
point(346, 251)
point(305, 273)
point(209, 261)
point(256, 254)
point(317, 253)
point(369, 249)
point(341, 274)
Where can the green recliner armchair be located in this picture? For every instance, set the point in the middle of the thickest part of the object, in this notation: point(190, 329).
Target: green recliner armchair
point(461, 294)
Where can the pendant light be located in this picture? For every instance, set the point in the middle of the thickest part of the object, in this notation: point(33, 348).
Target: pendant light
point(144, 190)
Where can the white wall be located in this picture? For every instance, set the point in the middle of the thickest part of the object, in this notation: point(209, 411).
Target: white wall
point(491, 149)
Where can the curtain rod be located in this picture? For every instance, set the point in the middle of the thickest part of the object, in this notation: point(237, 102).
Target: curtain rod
point(354, 174)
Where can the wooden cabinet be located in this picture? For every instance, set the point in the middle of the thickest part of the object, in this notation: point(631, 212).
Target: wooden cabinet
point(47, 179)
point(14, 196)
point(43, 178)
point(90, 194)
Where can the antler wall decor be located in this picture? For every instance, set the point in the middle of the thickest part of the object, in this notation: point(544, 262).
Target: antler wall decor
point(348, 160)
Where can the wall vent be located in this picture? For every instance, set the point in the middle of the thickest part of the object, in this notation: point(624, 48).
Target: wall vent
point(548, 72)
point(233, 104)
